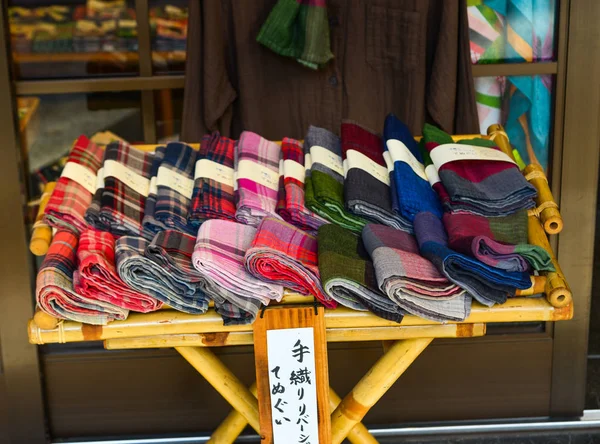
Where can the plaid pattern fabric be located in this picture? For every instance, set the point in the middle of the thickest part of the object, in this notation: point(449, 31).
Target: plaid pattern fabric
point(500, 242)
point(172, 250)
point(413, 193)
point(290, 204)
point(55, 294)
point(324, 187)
point(150, 225)
point(256, 200)
point(213, 199)
point(411, 280)
point(219, 256)
point(70, 200)
point(96, 277)
point(285, 254)
point(366, 195)
point(121, 207)
point(347, 273)
point(172, 206)
point(489, 285)
point(486, 187)
point(298, 29)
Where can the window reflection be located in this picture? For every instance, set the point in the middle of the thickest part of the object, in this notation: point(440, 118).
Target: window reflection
point(169, 24)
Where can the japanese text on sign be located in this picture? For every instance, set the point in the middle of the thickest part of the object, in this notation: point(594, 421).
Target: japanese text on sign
point(293, 386)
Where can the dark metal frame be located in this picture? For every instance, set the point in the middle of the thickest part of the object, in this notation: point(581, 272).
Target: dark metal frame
point(574, 184)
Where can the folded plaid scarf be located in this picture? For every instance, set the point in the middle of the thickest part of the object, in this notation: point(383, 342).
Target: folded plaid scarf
point(489, 285)
point(491, 187)
point(175, 184)
point(172, 251)
point(126, 186)
point(413, 192)
point(54, 286)
point(96, 277)
point(213, 185)
point(324, 185)
point(70, 199)
point(92, 214)
point(367, 184)
point(285, 254)
point(257, 177)
point(500, 242)
point(290, 205)
point(150, 225)
point(410, 280)
point(298, 29)
point(219, 256)
point(347, 273)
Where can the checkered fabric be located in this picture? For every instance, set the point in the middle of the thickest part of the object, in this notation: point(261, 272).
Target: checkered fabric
point(149, 223)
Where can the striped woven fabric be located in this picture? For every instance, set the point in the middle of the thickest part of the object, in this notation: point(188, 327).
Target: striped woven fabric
point(172, 250)
point(96, 277)
point(213, 189)
point(367, 184)
point(70, 200)
point(287, 255)
point(348, 276)
point(121, 206)
point(290, 204)
point(411, 280)
point(219, 256)
point(55, 294)
point(298, 29)
point(150, 225)
point(257, 177)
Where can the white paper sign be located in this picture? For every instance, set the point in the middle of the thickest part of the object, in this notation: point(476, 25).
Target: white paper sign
point(258, 173)
point(133, 180)
point(450, 152)
point(399, 152)
point(292, 384)
point(80, 174)
point(432, 175)
point(100, 179)
point(167, 177)
point(293, 170)
point(325, 157)
point(307, 161)
point(207, 169)
point(388, 161)
point(153, 186)
point(356, 159)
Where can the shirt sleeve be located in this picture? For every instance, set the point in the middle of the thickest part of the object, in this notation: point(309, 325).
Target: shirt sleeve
point(209, 95)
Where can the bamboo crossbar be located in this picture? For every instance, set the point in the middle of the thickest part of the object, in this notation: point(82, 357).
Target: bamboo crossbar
point(170, 322)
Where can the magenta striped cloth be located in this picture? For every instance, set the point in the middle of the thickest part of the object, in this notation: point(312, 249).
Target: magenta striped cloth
point(219, 256)
point(257, 178)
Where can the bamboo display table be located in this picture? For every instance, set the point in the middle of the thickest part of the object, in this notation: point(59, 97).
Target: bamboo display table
point(193, 335)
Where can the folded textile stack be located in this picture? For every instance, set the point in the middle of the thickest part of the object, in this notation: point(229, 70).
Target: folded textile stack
point(411, 280)
point(175, 185)
point(324, 181)
point(413, 192)
point(172, 250)
point(290, 204)
point(73, 193)
point(489, 285)
point(476, 176)
point(54, 286)
point(150, 225)
point(257, 177)
point(213, 181)
point(285, 254)
point(348, 276)
point(96, 276)
point(500, 242)
point(367, 184)
point(126, 186)
point(219, 256)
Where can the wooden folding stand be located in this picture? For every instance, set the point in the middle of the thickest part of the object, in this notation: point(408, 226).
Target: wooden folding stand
point(193, 335)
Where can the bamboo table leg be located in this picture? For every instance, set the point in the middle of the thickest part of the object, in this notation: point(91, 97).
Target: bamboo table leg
point(374, 385)
point(234, 425)
point(223, 381)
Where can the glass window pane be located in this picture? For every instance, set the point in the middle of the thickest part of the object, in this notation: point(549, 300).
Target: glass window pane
point(508, 31)
point(167, 112)
point(523, 104)
point(76, 39)
point(168, 25)
point(60, 119)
